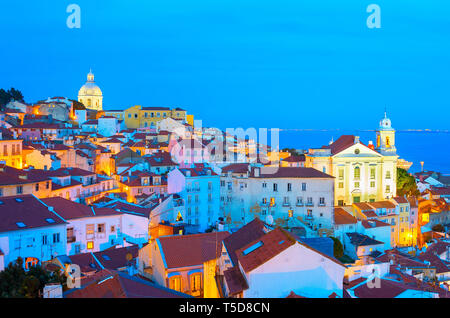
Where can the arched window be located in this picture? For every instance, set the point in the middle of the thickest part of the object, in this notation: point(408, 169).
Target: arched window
point(89, 102)
point(357, 173)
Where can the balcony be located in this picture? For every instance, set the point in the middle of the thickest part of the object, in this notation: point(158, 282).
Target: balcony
point(309, 204)
point(309, 217)
point(322, 204)
point(71, 239)
point(286, 204)
point(299, 203)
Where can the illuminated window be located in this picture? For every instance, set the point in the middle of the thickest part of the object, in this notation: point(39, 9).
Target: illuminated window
point(90, 245)
point(196, 282)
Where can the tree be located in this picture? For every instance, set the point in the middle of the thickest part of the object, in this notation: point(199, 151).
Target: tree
point(338, 248)
point(406, 184)
point(292, 151)
point(16, 282)
point(9, 95)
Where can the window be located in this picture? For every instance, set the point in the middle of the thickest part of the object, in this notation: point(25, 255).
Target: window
point(101, 228)
point(357, 173)
point(356, 185)
point(299, 201)
point(289, 187)
point(286, 200)
point(341, 174)
point(388, 174)
point(372, 173)
point(303, 186)
point(77, 249)
point(272, 201)
point(264, 185)
point(44, 240)
point(275, 187)
point(340, 202)
point(19, 189)
point(113, 228)
point(90, 245)
point(372, 184)
point(322, 201)
point(388, 188)
point(341, 185)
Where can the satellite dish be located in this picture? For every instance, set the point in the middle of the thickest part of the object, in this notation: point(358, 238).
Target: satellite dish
point(269, 219)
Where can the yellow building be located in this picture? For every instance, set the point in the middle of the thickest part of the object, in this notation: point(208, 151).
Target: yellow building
point(363, 173)
point(90, 95)
point(11, 153)
point(147, 117)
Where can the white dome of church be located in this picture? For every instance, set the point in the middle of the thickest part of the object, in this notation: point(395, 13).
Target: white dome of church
point(90, 95)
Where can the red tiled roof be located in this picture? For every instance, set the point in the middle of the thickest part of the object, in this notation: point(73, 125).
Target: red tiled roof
point(270, 245)
point(299, 158)
point(292, 172)
point(235, 281)
point(72, 210)
point(236, 168)
point(373, 223)
point(113, 284)
point(400, 200)
point(26, 209)
point(245, 235)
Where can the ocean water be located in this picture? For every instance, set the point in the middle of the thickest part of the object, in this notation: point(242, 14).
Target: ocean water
point(431, 147)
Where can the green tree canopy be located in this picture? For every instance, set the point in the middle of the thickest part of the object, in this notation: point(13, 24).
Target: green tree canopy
point(338, 248)
point(18, 283)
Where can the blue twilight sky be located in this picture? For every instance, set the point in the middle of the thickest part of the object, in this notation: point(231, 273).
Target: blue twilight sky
point(241, 63)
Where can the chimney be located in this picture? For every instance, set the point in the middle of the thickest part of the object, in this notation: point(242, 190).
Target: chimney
point(356, 139)
point(371, 146)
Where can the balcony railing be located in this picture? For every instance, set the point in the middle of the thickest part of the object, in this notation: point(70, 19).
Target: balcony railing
point(309, 204)
point(299, 203)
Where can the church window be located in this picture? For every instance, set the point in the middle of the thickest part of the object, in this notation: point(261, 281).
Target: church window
point(372, 173)
point(341, 173)
point(388, 174)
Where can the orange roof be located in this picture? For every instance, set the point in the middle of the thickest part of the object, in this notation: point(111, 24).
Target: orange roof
point(343, 217)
